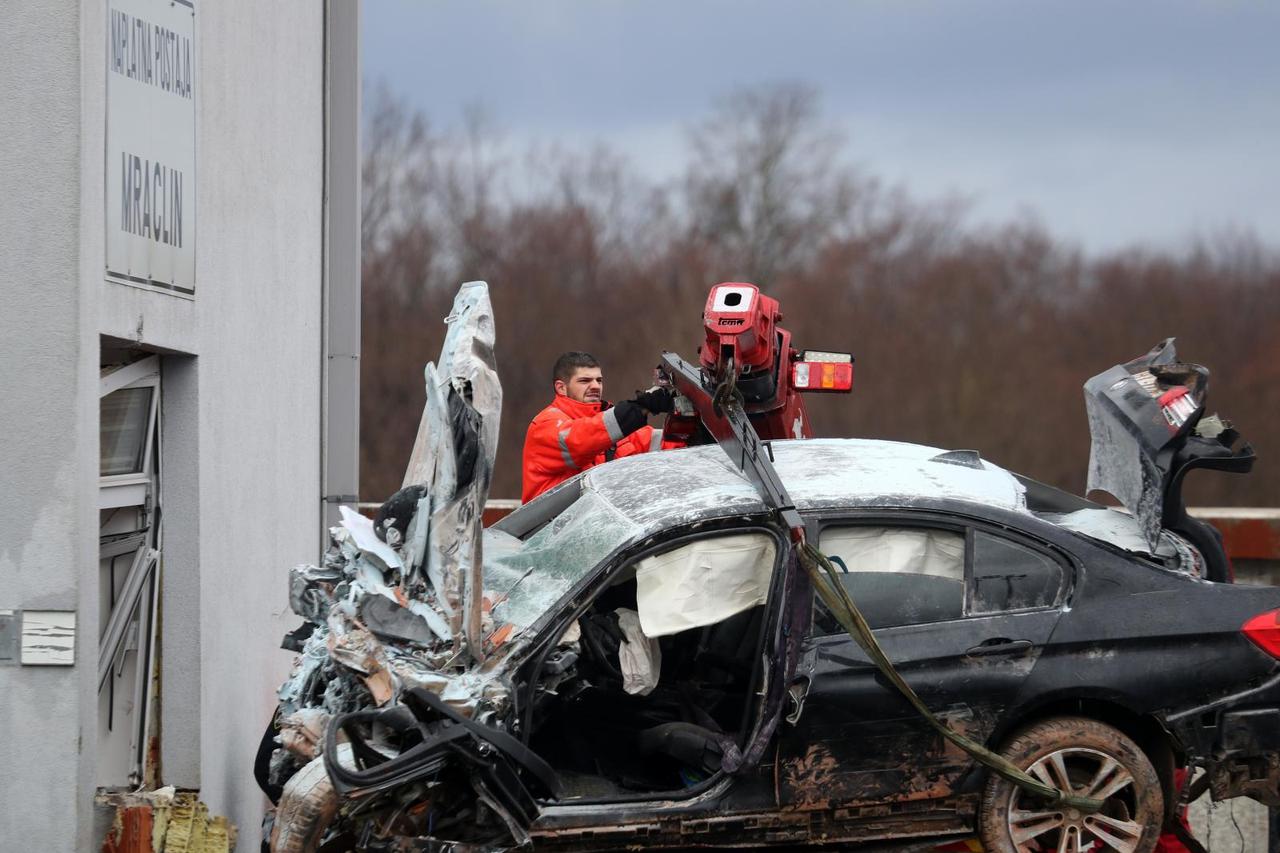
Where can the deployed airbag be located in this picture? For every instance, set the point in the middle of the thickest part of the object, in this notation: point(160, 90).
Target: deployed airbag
point(703, 582)
point(897, 550)
point(639, 656)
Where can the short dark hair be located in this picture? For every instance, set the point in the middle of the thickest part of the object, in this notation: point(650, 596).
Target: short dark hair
point(569, 363)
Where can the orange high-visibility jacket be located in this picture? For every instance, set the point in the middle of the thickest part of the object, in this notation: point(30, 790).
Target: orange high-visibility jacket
point(568, 437)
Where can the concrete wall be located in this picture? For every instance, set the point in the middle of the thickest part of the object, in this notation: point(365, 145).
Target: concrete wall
point(261, 147)
point(48, 516)
point(241, 397)
point(241, 477)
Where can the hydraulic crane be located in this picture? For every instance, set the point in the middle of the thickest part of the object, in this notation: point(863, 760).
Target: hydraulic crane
point(746, 348)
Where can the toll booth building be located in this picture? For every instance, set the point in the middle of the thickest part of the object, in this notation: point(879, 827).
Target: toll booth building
point(179, 308)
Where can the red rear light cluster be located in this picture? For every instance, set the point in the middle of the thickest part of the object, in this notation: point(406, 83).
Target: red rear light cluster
point(1178, 405)
point(822, 371)
point(1264, 629)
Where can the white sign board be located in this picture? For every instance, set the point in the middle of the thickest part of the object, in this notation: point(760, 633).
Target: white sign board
point(151, 144)
point(48, 638)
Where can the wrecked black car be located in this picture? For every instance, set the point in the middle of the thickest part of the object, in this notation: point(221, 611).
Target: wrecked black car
point(638, 657)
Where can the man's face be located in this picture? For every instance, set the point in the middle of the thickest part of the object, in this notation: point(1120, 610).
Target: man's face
point(586, 385)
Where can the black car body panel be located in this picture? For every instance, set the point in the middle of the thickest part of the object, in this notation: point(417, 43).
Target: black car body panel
point(1120, 630)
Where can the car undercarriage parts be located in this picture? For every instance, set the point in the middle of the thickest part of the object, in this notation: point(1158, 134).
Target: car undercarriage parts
point(416, 773)
point(1148, 430)
point(307, 806)
point(420, 733)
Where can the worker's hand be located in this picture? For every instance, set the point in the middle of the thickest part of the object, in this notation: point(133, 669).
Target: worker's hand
point(656, 401)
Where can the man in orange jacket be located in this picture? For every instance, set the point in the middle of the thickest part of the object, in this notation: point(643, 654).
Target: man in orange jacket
point(579, 429)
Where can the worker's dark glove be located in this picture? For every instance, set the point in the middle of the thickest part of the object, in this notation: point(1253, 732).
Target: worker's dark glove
point(657, 400)
point(629, 417)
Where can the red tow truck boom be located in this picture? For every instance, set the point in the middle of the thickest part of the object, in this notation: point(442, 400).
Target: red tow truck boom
point(747, 348)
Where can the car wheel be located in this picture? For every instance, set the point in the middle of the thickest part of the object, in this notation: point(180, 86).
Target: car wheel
point(1083, 757)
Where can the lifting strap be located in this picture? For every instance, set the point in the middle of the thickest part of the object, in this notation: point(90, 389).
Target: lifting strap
point(723, 414)
point(833, 594)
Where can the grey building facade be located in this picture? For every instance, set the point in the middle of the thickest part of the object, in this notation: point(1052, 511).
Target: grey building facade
point(179, 329)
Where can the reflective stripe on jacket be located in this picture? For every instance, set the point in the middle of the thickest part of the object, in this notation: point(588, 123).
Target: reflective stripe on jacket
point(568, 437)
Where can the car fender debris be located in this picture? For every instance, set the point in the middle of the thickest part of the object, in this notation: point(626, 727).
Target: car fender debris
point(302, 732)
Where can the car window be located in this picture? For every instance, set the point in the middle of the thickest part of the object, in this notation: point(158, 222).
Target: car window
point(899, 575)
point(1009, 576)
point(525, 578)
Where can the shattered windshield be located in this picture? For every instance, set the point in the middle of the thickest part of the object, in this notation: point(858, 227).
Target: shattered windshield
point(524, 579)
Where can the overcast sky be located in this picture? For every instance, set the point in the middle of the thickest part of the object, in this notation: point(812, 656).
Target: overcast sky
point(1113, 123)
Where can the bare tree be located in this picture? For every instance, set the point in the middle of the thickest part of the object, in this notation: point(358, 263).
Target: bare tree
point(965, 336)
point(765, 183)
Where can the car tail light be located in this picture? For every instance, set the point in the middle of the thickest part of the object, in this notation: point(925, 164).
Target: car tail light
point(1264, 629)
point(822, 371)
point(1177, 405)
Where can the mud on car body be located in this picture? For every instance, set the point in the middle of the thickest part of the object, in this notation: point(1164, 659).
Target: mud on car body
point(646, 663)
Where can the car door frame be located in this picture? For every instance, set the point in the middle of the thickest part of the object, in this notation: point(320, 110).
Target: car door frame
point(819, 763)
point(780, 634)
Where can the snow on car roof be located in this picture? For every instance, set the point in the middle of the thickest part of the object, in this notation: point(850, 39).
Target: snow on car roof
point(658, 490)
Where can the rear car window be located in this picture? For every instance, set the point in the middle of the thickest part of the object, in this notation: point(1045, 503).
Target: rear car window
point(1009, 576)
point(899, 575)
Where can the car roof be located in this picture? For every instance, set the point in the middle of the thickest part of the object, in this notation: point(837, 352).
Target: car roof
point(660, 490)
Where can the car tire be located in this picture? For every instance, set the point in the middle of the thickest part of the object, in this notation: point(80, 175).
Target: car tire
point(1096, 760)
point(307, 807)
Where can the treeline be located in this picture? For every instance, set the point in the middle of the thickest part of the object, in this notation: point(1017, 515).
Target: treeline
point(965, 336)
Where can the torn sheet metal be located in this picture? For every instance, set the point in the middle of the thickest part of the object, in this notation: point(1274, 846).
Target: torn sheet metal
point(302, 732)
point(453, 459)
point(366, 540)
point(703, 582)
point(397, 605)
point(1140, 413)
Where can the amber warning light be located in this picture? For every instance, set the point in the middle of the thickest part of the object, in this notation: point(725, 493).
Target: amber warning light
point(822, 371)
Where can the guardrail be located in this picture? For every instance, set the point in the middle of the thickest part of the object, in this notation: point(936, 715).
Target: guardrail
point(1251, 536)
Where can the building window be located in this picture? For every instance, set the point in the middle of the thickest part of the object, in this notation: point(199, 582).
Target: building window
point(123, 431)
